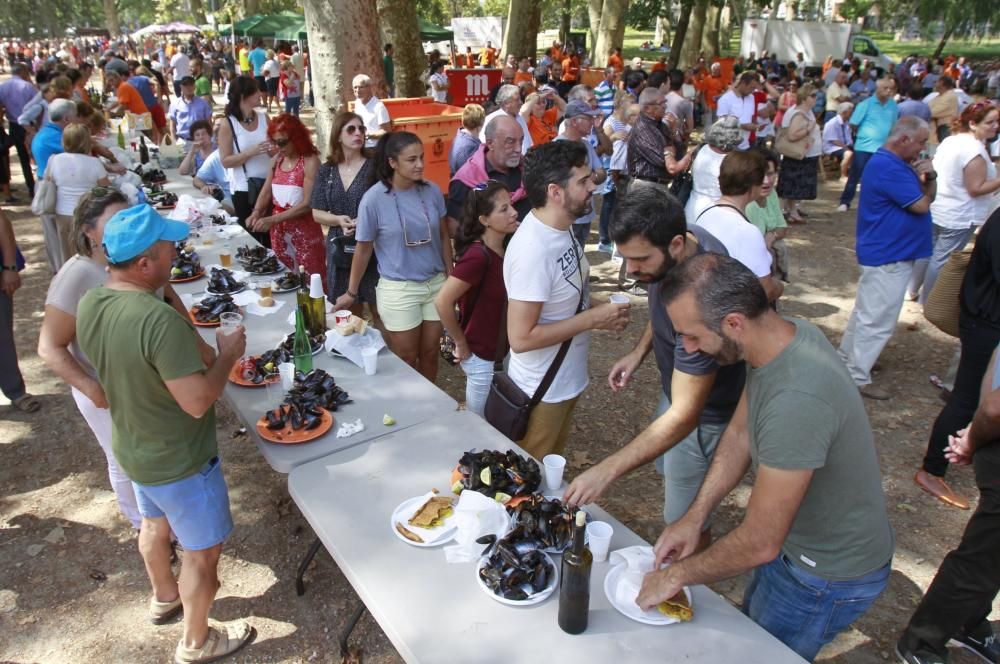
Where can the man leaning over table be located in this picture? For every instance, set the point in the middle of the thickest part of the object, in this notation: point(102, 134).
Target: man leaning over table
point(815, 533)
point(161, 396)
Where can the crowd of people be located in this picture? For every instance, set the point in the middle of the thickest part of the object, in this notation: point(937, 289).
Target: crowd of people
point(693, 179)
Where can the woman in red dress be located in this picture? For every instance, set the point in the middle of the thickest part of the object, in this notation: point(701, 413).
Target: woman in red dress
point(283, 205)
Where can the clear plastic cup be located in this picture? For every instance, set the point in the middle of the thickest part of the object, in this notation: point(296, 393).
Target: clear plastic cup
point(618, 298)
point(230, 322)
point(554, 465)
point(287, 372)
point(369, 355)
point(599, 539)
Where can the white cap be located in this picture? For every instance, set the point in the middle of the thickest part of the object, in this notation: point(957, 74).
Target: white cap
point(316, 286)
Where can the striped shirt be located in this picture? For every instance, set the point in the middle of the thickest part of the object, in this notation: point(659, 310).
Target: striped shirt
point(605, 93)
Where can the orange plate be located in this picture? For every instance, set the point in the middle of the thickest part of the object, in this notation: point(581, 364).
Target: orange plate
point(510, 504)
point(235, 376)
point(186, 279)
point(288, 437)
point(200, 324)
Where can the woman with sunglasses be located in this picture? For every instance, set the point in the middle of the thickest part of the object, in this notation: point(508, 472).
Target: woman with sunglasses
point(786, 100)
point(340, 184)
point(476, 285)
point(283, 207)
point(401, 220)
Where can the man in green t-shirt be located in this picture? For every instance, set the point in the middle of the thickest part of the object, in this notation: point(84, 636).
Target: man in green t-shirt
point(202, 83)
point(162, 399)
point(816, 533)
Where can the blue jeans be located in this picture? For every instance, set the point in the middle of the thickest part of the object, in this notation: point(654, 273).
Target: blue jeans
point(478, 376)
point(858, 164)
point(292, 105)
point(946, 242)
point(806, 612)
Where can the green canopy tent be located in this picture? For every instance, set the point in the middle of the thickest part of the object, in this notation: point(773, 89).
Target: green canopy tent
point(434, 33)
point(244, 24)
point(271, 26)
point(294, 31)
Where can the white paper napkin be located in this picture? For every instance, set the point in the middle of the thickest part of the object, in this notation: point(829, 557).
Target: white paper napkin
point(348, 429)
point(351, 345)
point(475, 516)
point(257, 310)
point(638, 560)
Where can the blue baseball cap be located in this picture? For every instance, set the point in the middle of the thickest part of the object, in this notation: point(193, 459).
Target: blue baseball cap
point(134, 230)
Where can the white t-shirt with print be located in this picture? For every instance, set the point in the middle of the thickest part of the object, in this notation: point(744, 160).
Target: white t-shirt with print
point(543, 264)
point(742, 240)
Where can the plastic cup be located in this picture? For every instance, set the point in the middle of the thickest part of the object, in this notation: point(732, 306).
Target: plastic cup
point(287, 372)
point(369, 356)
point(342, 316)
point(618, 298)
point(599, 539)
point(554, 464)
point(230, 322)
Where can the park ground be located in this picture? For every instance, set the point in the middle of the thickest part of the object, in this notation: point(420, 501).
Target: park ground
point(73, 588)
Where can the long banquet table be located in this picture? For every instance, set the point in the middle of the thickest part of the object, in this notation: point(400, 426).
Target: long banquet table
point(433, 611)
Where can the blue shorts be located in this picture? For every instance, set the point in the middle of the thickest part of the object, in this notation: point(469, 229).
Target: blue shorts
point(196, 507)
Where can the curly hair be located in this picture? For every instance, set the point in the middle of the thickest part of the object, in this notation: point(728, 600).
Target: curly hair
point(291, 126)
point(479, 203)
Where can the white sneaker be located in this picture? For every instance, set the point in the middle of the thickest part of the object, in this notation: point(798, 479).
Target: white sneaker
point(841, 208)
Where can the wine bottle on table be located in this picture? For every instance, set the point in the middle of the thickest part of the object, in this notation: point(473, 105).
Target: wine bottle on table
point(121, 137)
point(574, 586)
point(143, 151)
point(302, 294)
point(317, 306)
point(301, 347)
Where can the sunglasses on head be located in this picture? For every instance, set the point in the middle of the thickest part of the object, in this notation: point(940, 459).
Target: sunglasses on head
point(353, 129)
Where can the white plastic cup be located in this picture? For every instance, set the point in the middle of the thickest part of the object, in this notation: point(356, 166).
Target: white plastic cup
point(618, 298)
point(369, 356)
point(599, 539)
point(230, 322)
point(554, 464)
point(287, 372)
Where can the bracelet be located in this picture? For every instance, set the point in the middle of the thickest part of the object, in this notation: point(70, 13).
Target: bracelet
point(12, 268)
point(928, 178)
point(353, 296)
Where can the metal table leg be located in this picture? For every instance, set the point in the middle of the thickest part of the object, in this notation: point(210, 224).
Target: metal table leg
point(300, 586)
point(346, 634)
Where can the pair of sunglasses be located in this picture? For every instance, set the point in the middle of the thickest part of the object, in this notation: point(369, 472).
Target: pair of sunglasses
point(354, 129)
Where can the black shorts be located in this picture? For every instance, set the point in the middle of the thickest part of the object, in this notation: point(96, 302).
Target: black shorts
point(272, 86)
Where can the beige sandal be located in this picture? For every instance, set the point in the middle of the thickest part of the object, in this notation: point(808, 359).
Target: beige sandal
point(163, 612)
point(222, 641)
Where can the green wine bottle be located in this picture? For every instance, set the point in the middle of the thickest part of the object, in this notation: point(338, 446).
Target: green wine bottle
point(574, 586)
point(302, 296)
point(121, 138)
point(301, 348)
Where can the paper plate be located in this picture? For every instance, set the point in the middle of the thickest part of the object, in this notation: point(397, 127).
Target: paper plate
point(406, 509)
point(536, 598)
point(652, 617)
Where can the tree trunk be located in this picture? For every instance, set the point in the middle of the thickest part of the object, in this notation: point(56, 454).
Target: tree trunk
point(611, 32)
point(944, 40)
point(399, 22)
point(680, 32)
point(710, 34)
point(520, 38)
point(534, 25)
point(692, 42)
point(662, 33)
point(343, 42)
point(198, 12)
point(564, 21)
point(111, 18)
point(251, 7)
point(594, 14)
point(725, 27)
point(791, 9)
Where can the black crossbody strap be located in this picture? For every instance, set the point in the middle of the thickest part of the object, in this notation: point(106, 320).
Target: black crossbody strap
point(236, 142)
point(550, 375)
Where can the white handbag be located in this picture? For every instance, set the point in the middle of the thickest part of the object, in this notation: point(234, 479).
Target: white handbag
point(44, 201)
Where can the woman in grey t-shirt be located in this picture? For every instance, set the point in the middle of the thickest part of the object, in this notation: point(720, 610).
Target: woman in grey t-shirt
point(401, 219)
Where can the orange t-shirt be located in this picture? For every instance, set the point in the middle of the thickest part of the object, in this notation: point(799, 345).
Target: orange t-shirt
point(488, 57)
point(658, 66)
point(130, 98)
point(570, 70)
point(556, 53)
point(712, 87)
point(616, 61)
point(543, 130)
point(522, 77)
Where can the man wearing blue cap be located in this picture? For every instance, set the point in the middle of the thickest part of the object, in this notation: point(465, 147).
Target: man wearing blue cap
point(162, 399)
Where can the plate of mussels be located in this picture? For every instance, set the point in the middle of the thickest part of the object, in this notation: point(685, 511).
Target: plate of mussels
point(315, 342)
point(186, 267)
point(258, 260)
point(517, 574)
point(287, 283)
point(496, 474)
point(222, 281)
point(294, 422)
point(207, 313)
point(256, 370)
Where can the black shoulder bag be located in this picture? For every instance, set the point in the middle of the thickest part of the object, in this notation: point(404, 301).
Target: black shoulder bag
point(508, 408)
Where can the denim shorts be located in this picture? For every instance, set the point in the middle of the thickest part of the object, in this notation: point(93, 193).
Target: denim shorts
point(803, 611)
point(196, 507)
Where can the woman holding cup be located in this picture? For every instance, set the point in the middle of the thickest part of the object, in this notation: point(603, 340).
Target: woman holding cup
point(476, 285)
point(336, 195)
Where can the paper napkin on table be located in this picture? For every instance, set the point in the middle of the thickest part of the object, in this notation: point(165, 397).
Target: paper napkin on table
point(257, 310)
point(475, 516)
point(638, 561)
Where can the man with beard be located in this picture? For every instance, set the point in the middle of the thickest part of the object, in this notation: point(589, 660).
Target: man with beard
point(698, 396)
point(815, 532)
point(546, 275)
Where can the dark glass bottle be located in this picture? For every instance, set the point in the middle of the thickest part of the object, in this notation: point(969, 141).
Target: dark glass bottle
point(574, 586)
point(143, 151)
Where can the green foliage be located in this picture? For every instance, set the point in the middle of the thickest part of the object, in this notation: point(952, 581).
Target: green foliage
point(642, 14)
point(552, 14)
point(855, 9)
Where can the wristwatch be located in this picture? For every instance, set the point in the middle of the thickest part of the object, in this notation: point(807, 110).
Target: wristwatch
point(12, 268)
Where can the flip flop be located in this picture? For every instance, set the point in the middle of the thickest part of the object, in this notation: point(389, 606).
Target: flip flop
point(27, 404)
point(222, 641)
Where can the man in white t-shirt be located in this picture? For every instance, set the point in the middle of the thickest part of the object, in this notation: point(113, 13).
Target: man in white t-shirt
point(741, 176)
point(371, 109)
point(739, 101)
point(180, 66)
point(546, 275)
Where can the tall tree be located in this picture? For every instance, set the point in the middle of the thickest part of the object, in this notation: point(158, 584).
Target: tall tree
point(198, 12)
point(594, 14)
point(111, 18)
point(692, 42)
point(680, 32)
point(662, 30)
point(564, 21)
point(343, 42)
point(611, 31)
point(399, 22)
point(520, 37)
point(710, 33)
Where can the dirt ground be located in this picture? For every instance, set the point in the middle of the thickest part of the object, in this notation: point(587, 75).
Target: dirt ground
point(73, 588)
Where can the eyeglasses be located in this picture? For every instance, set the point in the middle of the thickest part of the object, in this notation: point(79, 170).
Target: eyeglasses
point(402, 222)
point(354, 129)
point(281, 142)
point(480, 187)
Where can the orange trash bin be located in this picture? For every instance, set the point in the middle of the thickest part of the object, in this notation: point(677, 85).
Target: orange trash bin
point(436, 124)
